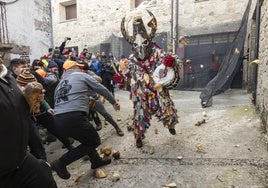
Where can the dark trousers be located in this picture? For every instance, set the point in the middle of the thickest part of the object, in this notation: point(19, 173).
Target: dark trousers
point(47, 121)
point(32, 173)
point(101, 109)
point(189, 80)
point(109, 84)
point(35, 142)
point(77, 126)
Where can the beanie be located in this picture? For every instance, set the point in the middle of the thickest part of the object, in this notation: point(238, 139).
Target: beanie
point(52, 64)
point(25, 77)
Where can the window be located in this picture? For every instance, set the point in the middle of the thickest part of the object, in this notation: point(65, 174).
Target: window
point(71, 12)
point(138, 2)
point(68, 10)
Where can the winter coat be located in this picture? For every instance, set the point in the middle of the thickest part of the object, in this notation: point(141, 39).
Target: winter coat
point(14, 129)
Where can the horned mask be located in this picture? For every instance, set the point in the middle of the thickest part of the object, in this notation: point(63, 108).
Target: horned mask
point(141, 41)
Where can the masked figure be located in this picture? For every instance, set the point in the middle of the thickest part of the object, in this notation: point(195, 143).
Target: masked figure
point(149, 95)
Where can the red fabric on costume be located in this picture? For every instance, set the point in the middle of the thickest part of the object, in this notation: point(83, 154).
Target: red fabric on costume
point(168, 61)
point(118, 78)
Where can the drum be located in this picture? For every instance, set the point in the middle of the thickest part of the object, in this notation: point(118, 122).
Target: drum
point(168, 77)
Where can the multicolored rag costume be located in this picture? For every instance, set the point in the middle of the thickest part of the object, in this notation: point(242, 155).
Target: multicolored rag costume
point(150, 96)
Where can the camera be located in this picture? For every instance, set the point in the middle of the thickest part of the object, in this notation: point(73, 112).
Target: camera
point(68, 38)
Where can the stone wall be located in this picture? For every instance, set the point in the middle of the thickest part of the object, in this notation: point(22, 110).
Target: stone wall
point(262, 87)
point(98, 21)
point(29, 27)
point(249, 71)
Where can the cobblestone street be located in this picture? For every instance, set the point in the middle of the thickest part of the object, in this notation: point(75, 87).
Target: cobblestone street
point(226, 150)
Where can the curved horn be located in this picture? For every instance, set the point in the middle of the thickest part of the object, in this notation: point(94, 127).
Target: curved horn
point(152, 24)
point(125, 34)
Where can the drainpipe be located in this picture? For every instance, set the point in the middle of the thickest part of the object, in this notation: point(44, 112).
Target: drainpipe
point(171, 24)
point(51, 25)
point(256, 51)
point(177, 27)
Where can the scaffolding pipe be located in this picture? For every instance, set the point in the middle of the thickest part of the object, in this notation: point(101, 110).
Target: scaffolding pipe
point(177, 27)
point(171, 23)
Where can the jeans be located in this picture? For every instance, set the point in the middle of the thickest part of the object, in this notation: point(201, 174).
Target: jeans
point(101, 109)
point(32, 173)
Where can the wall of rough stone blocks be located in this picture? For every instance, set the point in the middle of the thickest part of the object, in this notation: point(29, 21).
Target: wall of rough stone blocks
point(262, 87)
point(99, 20)
point(249, 49)
point(29, 26)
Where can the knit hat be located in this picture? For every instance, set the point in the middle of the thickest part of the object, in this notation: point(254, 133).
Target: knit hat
point(52, 64)
point(25, 77)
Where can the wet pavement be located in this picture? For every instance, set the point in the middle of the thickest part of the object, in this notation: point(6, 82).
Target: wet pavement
point(220, 146)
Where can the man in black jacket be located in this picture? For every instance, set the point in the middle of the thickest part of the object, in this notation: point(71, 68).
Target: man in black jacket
point(18, 168)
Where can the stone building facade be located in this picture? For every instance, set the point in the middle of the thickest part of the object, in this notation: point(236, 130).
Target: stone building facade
point(262, 70)
point(29, 27)
point(96, 23)
point(255, 66)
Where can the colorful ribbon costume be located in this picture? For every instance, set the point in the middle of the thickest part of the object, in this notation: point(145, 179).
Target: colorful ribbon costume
point(148, 97)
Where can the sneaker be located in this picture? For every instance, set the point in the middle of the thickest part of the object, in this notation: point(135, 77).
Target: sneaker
point(60, 169)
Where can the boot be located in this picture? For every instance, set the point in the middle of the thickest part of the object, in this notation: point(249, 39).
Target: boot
point(172, 131)
point(96, 161)
point(118, 130)
point(50, 138)
point(138, 143)
point(60, 169)
point(109, 118)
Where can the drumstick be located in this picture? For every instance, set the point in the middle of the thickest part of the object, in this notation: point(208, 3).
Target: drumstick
point(115, 70)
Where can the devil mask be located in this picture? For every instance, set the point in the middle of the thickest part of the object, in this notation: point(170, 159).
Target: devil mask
point(141, 41)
